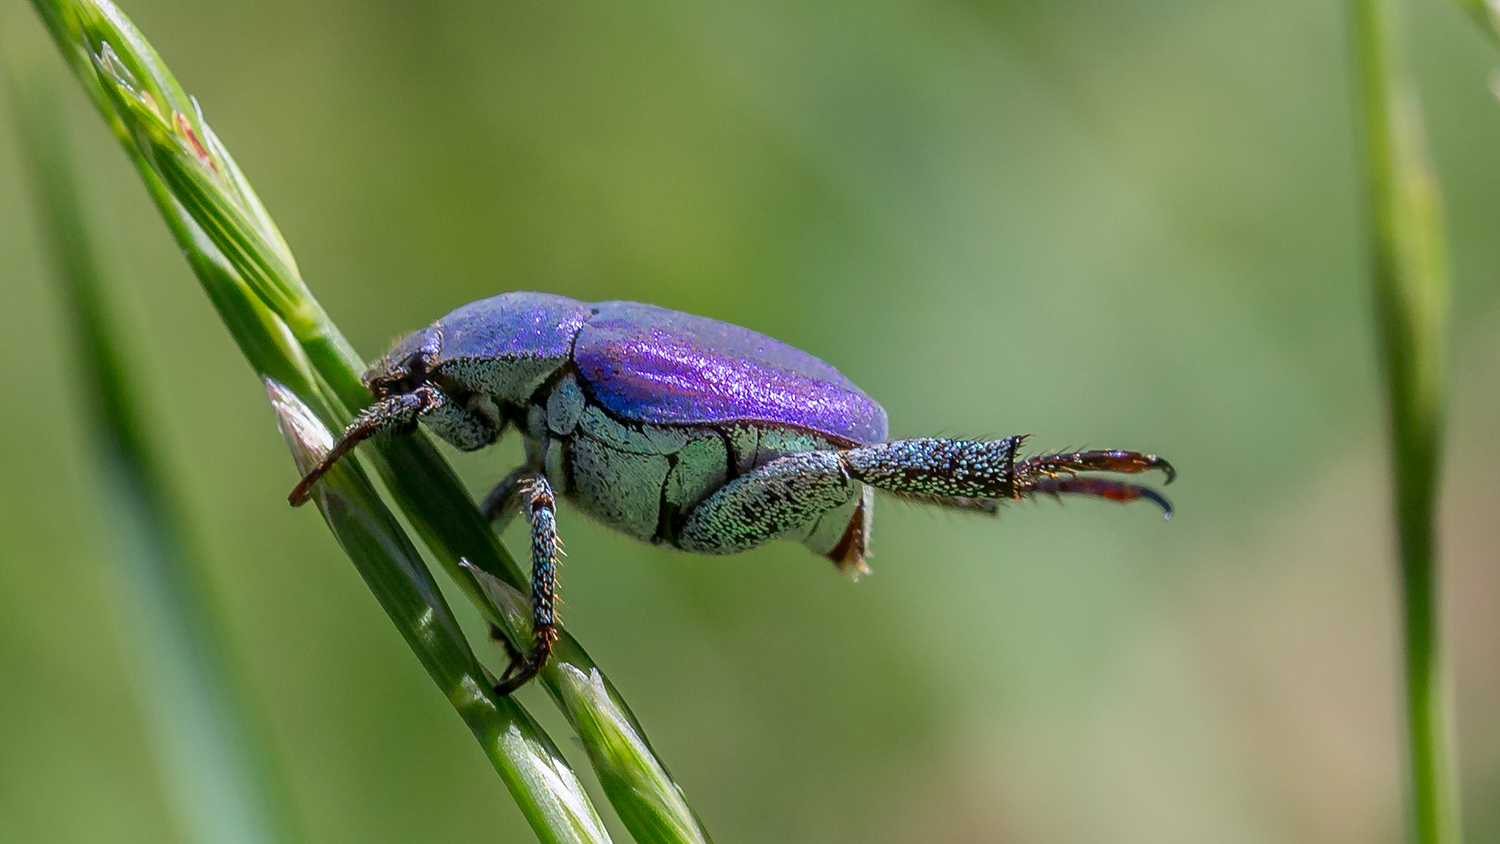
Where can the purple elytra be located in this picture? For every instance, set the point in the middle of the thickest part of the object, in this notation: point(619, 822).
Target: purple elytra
point(666, 367)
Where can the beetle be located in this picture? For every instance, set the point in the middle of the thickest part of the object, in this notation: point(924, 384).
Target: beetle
point(684, 431)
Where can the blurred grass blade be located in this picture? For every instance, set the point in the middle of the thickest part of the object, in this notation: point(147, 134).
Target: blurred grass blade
point(632, 777)
point(275, 352)
point(1486, 13)
point(1410, 275)
point(204, 195)
point(217, 776)
point(541, 781)
point(167, 128)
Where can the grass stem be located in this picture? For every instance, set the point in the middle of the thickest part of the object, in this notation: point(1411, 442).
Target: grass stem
point(245, 266)
point(219, 778)
point(1410, 278)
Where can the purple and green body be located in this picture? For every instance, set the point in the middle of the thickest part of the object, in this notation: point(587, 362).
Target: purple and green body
point(684, 431)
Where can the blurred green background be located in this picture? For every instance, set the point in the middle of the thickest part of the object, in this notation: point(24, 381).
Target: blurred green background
point(1118, 225)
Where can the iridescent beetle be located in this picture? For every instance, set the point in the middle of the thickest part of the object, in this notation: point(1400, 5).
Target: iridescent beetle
point(684, 431)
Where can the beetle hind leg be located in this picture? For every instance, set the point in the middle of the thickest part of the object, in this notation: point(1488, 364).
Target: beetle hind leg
point(1056, 474)
point(793, 497)
point(1072, 462)
point(976, 474)
point(1106, 488)
point(843, 533)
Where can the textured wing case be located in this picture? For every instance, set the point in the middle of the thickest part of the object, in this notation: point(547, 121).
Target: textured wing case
point(650, 364)
point(513, 326)
point(507, 346)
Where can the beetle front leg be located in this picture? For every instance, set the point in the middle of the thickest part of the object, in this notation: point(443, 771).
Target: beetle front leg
point(395, 411)
point(400, 411)
point(541, 511)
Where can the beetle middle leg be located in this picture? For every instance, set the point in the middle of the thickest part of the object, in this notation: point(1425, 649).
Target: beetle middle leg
point(534, 494)
point(503, 502)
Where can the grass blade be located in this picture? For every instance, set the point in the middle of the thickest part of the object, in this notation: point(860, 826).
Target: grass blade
point(219, 781)
point(274, 351)
point(248, 271)
point(543, 784)
point(630, 773)
point(1486, 13)
point(1410, 276)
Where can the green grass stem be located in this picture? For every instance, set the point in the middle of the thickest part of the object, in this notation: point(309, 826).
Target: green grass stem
point(249, 273)
point(1486, 13)
point(609, 733)
point(543, 784)
point(219, 781)
point(1410, 276)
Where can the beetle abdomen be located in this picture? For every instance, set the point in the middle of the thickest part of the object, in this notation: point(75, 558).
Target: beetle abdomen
point(643, 479)
point(620, 489)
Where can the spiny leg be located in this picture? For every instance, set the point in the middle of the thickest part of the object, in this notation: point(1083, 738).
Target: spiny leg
point(1126, 462)
point(980, 506)
point(1106, 488)
point(541, 511)
point(965, 470)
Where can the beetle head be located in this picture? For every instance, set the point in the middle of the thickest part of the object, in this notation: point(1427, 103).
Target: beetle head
point(406, 365)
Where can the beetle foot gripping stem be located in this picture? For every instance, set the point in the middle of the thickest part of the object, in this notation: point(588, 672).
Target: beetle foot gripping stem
point(541, 511)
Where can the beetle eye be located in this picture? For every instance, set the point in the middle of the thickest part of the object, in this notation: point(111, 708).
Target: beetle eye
point(401, 378)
